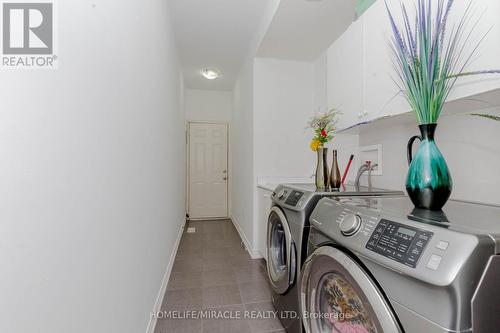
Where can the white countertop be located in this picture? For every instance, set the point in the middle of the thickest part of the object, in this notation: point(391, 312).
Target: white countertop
point(267, 186)
point(270, 183)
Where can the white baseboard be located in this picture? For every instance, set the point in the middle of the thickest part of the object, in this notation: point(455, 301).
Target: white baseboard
point(164, 283)
point(254, 254)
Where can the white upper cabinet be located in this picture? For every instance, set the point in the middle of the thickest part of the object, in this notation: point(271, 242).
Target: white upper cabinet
point(382, 95)
point(361, 72)
point(380, 87)
point(488, 54)
point(345, 75)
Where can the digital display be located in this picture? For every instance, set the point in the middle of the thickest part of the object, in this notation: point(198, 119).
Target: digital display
point(398, 242)
point(407, 232)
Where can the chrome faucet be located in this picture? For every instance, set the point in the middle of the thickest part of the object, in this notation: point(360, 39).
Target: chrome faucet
point(372, 166)
point(362, 169)
point(368, 166)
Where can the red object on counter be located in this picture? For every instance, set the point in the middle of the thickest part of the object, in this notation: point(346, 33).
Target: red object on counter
point(347, 168)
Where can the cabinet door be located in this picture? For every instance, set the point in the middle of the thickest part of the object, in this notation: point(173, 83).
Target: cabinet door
point(382, 93)
point(345, 75)
point(488, 54)
point(264, 208)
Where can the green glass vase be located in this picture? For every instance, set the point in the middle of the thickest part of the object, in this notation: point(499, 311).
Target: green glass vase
point(429, 182)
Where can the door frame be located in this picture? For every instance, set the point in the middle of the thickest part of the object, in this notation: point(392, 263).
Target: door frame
point(228, 153)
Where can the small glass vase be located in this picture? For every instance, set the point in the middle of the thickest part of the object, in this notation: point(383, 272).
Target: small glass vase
point(429, 182)
point(322, 178)
point(335, 180)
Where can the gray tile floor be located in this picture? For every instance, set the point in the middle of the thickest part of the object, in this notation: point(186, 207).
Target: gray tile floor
point(213, 272)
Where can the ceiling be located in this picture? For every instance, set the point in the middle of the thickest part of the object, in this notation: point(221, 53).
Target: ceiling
point(218, 34)
point(302, 29)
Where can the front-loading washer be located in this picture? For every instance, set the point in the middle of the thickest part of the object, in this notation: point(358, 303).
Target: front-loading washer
point(379, 265)
point(288, 230)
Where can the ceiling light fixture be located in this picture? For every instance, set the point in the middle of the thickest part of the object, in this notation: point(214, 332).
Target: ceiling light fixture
point(210, 74)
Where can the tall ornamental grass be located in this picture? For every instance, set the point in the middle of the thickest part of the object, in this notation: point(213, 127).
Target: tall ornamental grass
point(429, 56)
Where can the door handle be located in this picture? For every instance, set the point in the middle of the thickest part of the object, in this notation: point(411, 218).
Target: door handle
point(224, 171)
point(225, 178)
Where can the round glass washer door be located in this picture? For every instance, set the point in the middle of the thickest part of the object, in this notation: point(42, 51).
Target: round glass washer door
point(338, 296)
point(280, 252)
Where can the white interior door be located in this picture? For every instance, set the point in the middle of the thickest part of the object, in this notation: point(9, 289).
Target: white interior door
point(207, 170)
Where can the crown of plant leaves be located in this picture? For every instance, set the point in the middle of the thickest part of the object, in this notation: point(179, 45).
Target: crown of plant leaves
point(428, 58)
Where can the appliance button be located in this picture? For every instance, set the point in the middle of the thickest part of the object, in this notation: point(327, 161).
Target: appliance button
point(350, 224)
point(390, 252)
point(434, 262)
point(423, 237)
point(281, 194)
point(442, 245)
point(411, 259)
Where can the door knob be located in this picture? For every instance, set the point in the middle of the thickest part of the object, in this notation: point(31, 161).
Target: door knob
point(225, 178)
point(224, 172)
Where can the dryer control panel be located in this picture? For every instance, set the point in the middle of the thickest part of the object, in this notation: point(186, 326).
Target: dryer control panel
point(293, 198)
point(398, 242)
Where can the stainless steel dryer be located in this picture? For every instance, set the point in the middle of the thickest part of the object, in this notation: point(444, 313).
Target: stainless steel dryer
point(379, 265)
point(288, 230)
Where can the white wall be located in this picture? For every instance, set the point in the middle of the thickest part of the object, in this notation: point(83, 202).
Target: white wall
point(273, 101)
point(208, 105)
point(242, 178)
point(283, 103)
point(242, 142)
point(92, 173)
point(469, 145)
point(284, 95)
point(321, 83)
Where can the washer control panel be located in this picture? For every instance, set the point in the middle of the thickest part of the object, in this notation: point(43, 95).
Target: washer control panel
point(399, 242)
point(293, 198)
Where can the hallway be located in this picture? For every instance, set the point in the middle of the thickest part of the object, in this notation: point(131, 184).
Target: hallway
point(213, 272)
